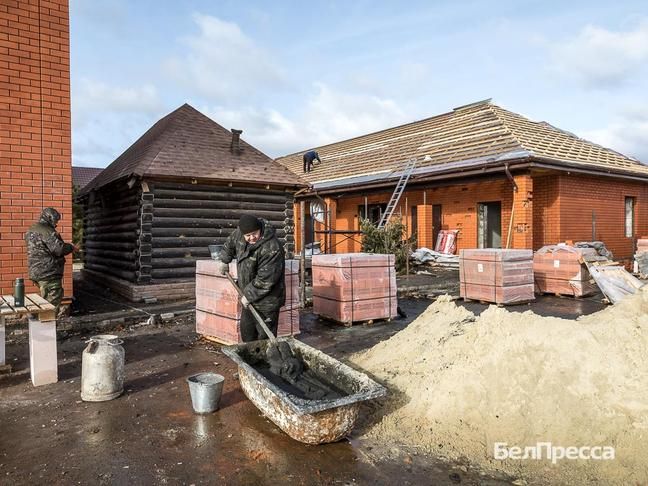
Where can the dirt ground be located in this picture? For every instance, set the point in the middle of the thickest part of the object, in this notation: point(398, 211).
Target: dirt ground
point(150, 435)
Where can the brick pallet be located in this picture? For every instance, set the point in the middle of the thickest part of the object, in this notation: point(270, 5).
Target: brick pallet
point(354, 287)
point(496, 275)
point(557, 269)
point(218, 310)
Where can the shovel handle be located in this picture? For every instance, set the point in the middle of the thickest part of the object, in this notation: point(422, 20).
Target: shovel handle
point(252, 309)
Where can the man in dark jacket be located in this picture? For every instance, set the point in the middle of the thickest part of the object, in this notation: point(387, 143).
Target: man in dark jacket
point(260, 264)
point(46, 252)
point(309, 160)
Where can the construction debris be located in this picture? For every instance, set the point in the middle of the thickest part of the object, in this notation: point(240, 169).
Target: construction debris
point(423, 256)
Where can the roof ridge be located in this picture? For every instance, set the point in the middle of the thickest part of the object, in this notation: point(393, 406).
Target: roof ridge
point(493, 108)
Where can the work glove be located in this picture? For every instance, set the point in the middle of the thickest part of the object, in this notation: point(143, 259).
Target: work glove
point(222, 268)
point(245, 302)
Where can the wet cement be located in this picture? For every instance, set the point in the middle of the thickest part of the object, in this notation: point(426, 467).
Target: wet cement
point(150, 435)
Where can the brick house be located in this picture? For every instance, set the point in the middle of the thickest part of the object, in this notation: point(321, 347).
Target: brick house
point(480, 169)
point(35, 150)
point(183, 185)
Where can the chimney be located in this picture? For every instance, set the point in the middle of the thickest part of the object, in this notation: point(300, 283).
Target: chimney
point(235, 146)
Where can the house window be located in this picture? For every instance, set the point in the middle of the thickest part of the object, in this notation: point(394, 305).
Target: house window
point(629, 216)
point(374, 212)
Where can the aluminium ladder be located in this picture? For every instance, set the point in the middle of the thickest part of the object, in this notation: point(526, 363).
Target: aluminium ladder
point(398, 192)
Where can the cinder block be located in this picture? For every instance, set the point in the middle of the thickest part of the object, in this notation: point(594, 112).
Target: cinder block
point(42, 352)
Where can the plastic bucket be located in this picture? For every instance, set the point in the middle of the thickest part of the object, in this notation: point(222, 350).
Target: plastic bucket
point(206, 390)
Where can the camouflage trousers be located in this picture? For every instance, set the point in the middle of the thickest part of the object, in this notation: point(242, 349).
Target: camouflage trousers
point(51, 291)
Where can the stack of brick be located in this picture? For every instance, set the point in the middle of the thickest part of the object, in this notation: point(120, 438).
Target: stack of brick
point(218, 310)
point(354, 287)
point(557, 269)
point(641, 257)
point(496, 275)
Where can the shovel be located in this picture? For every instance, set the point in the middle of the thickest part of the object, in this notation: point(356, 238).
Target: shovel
point(280, 356)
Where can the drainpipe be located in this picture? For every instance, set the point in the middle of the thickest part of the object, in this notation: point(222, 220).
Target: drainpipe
point(509, 235)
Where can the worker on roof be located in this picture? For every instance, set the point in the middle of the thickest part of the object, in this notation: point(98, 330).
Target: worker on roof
point(309, 160)
point(260, 264)
point(46, 252)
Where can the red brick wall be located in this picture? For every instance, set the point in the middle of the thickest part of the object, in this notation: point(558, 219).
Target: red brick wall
point(548, 209)
point(35, 152)
point(459, 210)
point(580, 195)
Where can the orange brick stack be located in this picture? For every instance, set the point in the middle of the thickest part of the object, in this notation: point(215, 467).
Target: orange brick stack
point(557, 270)
point(353, 287)
point(218, 310)
point(496, 275)
point(35, 142)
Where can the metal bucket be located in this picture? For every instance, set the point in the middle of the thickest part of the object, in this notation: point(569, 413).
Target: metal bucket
point(102, 369)
point(206, 390)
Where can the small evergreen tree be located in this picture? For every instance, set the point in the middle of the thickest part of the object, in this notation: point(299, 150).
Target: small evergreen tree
point(389, 239)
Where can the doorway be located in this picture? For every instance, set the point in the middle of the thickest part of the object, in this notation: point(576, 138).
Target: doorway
point(489, 225)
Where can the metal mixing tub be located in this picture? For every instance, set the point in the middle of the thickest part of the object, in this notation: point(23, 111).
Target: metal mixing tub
point(309, 421)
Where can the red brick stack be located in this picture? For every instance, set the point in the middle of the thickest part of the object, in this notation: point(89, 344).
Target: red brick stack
point(496, 275)
point(557, 270)
point(353, 287)
point(218, 310)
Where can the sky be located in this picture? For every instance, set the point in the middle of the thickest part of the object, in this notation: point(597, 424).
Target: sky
point(294, 75)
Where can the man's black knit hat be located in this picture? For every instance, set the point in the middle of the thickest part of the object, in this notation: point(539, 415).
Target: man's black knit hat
point(248, 224)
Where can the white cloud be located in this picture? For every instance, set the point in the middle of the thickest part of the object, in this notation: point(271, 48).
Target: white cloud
point(221, 62)
point(627, 133)
point(328, 116)
point(106, 119)
point(93, 95)
point(598, 57)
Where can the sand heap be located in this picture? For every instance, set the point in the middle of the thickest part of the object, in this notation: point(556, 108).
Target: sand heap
point(460, 384)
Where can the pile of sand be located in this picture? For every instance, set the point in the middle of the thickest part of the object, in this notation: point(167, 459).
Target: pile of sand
point(460, 384)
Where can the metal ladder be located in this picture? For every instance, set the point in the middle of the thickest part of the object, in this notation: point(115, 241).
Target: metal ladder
point(398, 192)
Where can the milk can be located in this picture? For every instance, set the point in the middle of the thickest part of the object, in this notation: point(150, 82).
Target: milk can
point(102, 369)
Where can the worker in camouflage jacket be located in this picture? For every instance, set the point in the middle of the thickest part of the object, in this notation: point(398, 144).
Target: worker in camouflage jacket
point(260, 264)
point(46, 252)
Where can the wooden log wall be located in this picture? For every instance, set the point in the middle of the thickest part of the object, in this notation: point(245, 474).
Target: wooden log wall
point(186, 217)
point(111, 230)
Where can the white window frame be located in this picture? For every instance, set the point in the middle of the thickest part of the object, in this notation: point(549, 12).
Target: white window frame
point(629, 219)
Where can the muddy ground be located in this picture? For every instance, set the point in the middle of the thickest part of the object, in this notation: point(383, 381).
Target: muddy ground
point(150, 435)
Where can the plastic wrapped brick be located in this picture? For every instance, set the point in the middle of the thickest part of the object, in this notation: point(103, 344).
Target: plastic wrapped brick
point(496, 275)
point(557, 269)
point(218, 310)
point(354, 287)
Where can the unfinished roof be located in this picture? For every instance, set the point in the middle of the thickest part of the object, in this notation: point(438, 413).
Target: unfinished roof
point(81, 176)
point(473, 133)
point(187, 144)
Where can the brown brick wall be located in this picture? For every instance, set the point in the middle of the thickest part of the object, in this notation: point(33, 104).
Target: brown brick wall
point(35, 151)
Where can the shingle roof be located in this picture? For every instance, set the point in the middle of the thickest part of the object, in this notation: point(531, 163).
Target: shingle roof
point(81, 176)
point(469, 133)
point(186, 143)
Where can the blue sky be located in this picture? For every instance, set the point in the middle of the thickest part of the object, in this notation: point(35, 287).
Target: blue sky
point(294, 75)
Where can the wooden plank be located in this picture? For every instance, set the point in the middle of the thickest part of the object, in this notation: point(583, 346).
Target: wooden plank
point(40, 302)
point(5, 309)
point(31, 306)
point(10, 300)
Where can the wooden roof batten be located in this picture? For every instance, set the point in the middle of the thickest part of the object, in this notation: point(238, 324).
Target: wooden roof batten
point(471, 135)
